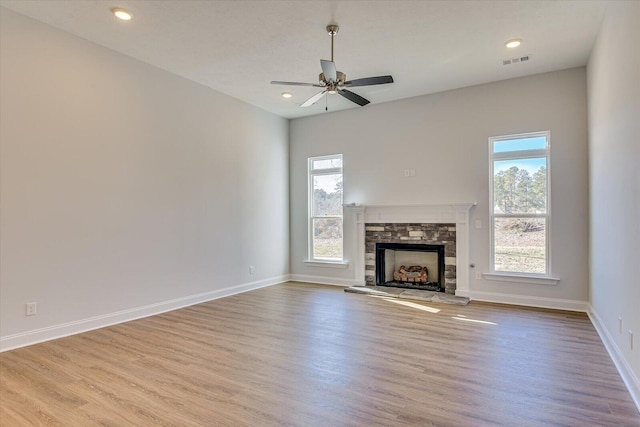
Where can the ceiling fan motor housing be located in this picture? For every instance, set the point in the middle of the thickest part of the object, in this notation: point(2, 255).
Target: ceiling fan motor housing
point(342, 77)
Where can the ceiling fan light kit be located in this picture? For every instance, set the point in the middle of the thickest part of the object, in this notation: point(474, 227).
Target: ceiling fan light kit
point(334, 81)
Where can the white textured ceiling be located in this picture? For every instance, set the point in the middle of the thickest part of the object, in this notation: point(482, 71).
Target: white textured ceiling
point(238, 47)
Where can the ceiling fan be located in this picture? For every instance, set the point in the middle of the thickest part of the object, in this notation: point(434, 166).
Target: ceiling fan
point(333, 81)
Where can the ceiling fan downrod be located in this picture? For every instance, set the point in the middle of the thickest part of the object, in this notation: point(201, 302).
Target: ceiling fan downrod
point(332, 30)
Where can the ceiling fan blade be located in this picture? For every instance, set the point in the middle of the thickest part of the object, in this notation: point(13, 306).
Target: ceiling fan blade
point(329, 70)
point(315, 98)
point(353, 97)
point(368, 81)
point(295, 84)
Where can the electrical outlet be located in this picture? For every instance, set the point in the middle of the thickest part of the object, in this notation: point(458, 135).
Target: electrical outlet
point(412, 172)
point(478, 275)
point(252, 269)
point(407, 173)
point(31, 309)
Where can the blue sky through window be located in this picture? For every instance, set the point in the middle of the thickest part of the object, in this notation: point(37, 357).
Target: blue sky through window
point(520, 144)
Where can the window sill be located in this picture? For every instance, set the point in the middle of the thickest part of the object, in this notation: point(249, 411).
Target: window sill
point(329, 264)
point(521, 278)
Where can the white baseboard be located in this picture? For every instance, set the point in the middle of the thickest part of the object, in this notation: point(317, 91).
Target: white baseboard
point(321, 280)
point(529, 301)
point(35, 336)
point(628, 376)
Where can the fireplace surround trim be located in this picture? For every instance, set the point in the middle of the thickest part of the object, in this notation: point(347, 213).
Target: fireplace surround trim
point(458, 213)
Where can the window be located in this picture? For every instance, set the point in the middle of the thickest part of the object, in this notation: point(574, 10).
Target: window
point(520, 211)
point(325, 208)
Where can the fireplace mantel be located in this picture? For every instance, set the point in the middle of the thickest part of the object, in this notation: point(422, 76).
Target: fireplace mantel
point(457, 213)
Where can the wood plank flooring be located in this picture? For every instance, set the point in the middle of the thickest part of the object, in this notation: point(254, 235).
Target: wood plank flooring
point(310, 355)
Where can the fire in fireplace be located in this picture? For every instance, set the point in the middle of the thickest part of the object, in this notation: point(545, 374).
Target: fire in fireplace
point(417, 266)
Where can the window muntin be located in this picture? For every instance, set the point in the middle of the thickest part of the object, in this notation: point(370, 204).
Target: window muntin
point(325, 208)
point(520, 213)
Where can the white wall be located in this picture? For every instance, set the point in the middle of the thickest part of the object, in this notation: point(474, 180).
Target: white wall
point(126, 189)
point(614, 179)
point(444, 138)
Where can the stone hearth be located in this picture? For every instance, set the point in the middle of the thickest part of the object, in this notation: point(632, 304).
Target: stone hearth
point(410, 294)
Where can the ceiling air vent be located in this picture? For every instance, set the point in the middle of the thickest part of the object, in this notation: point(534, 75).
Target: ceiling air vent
point(515, 60)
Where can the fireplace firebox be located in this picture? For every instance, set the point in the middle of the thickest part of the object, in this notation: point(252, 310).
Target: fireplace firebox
point(406, 265)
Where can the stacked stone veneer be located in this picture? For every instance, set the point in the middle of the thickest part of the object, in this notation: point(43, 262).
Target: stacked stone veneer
point(425, 234)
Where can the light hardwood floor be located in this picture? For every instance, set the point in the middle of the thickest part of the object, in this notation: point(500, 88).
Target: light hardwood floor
point(310, 355)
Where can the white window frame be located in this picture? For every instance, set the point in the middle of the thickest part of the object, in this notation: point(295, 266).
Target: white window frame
point(535, 278)
point(341, 263)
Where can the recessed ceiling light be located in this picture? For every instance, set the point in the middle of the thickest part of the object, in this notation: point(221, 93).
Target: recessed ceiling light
point(120, 13)
point(286, 95)
point(511, 44)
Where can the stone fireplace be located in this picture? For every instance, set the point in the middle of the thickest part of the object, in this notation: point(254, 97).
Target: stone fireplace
point(395, 248)
point(443, 229)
